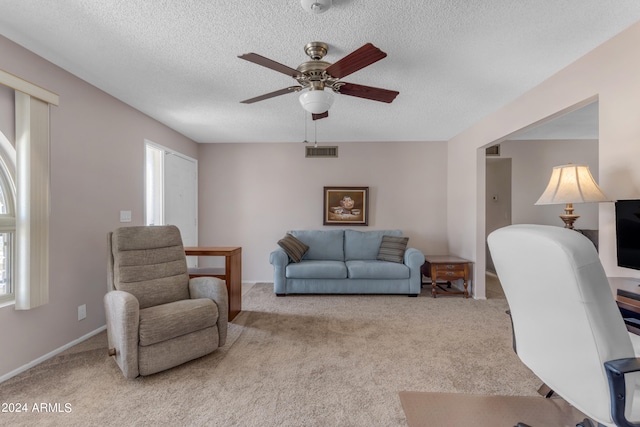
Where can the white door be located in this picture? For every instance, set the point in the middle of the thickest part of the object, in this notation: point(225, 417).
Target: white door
point(172, 187)
point(181, 196)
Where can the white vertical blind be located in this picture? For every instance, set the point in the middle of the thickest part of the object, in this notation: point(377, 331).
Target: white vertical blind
point(32, 190)
point(33, 200)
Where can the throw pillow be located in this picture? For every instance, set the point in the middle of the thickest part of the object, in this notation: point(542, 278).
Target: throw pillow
point(293, 247)
point(392, 248)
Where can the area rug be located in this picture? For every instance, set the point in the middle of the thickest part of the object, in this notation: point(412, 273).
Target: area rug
point(424, 409)
point(315, 360)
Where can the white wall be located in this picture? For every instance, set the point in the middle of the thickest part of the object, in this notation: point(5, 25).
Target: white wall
point(609, 74)
point(97, 158)
point(251, 194)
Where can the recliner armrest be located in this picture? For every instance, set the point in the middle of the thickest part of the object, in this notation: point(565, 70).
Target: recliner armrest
point(616, 370)
point(214, 289)
point(122, 311)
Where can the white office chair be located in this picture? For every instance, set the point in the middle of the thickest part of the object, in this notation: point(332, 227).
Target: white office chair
point(567, 327)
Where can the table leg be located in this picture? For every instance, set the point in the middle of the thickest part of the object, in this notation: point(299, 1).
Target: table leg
point(466, 278)
point(233, 271)
point(434, 279)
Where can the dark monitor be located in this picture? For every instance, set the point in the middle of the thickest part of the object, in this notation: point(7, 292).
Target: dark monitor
point(628, 233)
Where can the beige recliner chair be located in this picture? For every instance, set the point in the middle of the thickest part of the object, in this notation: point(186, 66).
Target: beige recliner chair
point(567, 327)
point(157, 317)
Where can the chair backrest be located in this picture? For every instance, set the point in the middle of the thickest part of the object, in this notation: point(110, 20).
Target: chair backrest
point(149, 262)
point(565, 321)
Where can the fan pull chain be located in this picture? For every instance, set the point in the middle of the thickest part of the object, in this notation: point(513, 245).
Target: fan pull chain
point(304, 115)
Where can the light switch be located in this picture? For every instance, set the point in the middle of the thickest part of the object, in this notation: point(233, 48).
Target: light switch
point(125, 216)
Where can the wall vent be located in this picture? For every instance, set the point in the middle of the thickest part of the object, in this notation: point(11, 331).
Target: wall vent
point(321, 152)
point(494, 150)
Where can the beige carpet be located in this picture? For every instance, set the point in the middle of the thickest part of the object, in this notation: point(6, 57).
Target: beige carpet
point(292, 361)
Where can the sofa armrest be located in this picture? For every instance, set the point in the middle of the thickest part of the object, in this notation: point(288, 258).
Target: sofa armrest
point(122, 311)
point(216, 290)
point(413, 258)
point(279, 259)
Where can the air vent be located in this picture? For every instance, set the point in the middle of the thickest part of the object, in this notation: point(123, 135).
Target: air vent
point(321, 152)
point(494, 150)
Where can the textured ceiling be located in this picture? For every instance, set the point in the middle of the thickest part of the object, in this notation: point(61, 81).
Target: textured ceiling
point(453, 61)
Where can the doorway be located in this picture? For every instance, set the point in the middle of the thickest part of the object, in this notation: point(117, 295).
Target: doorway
point(498, 199)
point(568, 136)
point(171, 192)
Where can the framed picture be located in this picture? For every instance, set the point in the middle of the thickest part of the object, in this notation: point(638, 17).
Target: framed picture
point(346, 206)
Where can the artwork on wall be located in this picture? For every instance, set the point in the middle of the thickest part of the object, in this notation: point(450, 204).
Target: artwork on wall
point(346, 206)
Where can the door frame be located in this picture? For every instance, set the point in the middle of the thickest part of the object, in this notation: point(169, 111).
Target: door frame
point(166, 151)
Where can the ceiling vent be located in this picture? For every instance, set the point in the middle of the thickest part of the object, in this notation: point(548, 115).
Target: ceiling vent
point(321, 152)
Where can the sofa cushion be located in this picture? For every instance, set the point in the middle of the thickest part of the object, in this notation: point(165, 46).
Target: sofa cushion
point(317, 270)
point(293, 247)
point(370, 269)
point(164, 322)
point(365, 244)
point(323, 244)
point(392, 248)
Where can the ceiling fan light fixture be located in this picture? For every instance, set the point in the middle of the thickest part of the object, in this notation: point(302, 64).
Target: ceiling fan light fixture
point(316, 6)
point(316, 101)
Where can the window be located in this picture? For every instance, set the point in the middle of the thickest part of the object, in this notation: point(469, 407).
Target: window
point(7, 222)
point(27, 179)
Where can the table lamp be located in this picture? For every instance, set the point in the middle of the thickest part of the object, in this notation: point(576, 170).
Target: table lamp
point(571, 184)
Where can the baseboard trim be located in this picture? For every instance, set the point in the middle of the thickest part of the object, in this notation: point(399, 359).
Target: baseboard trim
point(51, 354)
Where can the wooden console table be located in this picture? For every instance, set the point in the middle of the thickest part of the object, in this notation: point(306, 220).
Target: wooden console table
point(446, 267)
point(626, 291)
point(232, 274)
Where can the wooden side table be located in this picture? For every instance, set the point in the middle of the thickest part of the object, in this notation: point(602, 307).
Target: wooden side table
point(446, 267)
point(232, 274)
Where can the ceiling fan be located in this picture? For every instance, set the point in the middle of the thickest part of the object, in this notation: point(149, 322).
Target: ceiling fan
point(315, 75)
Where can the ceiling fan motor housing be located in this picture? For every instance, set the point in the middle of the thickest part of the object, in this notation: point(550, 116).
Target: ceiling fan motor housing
point(312, 72)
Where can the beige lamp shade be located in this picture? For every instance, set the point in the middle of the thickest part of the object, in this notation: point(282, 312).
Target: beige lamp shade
point(571, 184)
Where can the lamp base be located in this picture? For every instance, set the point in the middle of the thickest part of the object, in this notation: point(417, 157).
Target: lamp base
point(568, 217)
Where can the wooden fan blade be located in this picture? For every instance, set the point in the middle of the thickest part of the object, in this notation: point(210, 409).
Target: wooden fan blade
point(320, 116)
point(356, 60)
point(368, 92)
point(272, 94)
point(269, 63)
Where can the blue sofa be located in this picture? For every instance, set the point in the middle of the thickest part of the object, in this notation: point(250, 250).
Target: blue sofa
point(344, 262)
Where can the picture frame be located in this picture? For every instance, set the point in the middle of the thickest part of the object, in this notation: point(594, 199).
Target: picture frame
point(346, 206)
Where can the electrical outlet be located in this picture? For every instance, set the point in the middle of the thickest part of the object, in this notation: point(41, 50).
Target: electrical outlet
point(82, 311)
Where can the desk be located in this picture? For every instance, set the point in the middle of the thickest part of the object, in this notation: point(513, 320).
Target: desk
point(446, 267)
point(626, 291)
point(232, 274)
